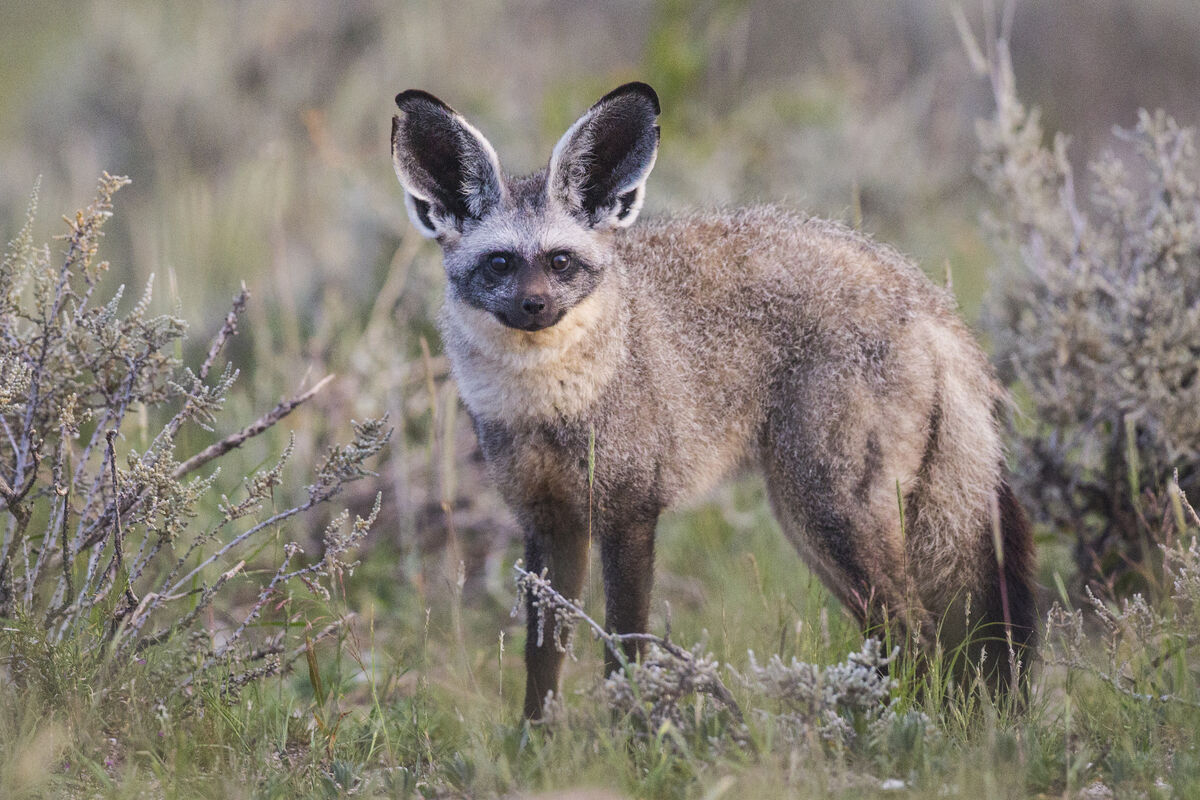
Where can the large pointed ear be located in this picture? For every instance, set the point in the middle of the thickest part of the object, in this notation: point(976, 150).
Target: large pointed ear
point(599, 167)
point(449, 172)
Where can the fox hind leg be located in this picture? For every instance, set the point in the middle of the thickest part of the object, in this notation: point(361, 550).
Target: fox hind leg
point(833, 487)
point(862, 571)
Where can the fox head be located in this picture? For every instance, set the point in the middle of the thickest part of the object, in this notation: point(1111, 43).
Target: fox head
point(525, 250)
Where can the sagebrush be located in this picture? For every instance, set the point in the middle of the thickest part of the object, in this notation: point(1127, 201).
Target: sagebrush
point(1096, 323)
point(1147, 647)
point(105, 559)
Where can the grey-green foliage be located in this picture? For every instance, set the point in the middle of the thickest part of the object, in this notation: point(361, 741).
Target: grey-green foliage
point(104, 551)
point(851, 704)
point(1148, 647)
point(839, 703)
point(1097, 318)
point(654, 689)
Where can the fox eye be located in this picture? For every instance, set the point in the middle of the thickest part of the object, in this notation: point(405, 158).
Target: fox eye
point(500, 263)
point(560, 261)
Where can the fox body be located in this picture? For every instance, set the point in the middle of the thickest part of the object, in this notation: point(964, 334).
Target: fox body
point(684, 348)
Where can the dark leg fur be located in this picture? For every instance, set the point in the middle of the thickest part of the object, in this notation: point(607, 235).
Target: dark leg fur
point(627, 551)
point(628, 556)
point(564, 557)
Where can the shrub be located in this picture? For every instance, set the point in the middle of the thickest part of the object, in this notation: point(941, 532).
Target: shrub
point(839, 704)
point(1147, 647)
point(111, 556)
point(1097, 322)
point(853, 704)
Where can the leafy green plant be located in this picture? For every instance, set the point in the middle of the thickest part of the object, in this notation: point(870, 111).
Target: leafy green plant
point(106, 559)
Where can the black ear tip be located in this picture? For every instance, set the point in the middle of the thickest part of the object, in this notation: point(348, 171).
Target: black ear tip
point(411, 96)
point(638, 88)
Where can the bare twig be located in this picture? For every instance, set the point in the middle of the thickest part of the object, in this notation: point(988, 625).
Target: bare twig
point(281, 575)
point(539, 586)
point(264, 422)
point(153, 600)
point(232, 543)
point(227, 330)
point(114, 566)
point(1111, 680)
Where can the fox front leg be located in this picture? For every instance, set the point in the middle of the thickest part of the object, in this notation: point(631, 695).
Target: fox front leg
point(563, 555)
point(627, 552)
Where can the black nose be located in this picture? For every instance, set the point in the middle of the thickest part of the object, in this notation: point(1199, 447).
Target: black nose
point(534, 305)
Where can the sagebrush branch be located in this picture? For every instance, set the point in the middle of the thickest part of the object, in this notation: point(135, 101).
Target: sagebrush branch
point(227, 330)
point(546, 597)
point(234, 440)
point(116, 521)
point(99, 529)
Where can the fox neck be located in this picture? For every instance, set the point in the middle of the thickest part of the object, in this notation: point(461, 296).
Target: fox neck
point(558, 373)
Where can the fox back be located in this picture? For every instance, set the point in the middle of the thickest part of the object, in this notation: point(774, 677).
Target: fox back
point(687, 347)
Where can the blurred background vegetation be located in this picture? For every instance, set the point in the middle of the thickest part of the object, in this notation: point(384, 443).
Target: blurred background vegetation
point(256, 136)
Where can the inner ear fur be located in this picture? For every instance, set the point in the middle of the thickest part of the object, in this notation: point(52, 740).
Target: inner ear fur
point(599, 167)
point(449, 171)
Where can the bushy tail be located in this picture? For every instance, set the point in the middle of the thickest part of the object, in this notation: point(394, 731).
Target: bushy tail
point(1010, 612)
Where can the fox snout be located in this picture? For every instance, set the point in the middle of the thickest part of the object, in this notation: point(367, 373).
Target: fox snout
point(533, 306)
point(525, 294)
point(531, 313)
point(536, 312)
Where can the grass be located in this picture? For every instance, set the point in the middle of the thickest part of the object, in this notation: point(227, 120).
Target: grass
point(414, 700)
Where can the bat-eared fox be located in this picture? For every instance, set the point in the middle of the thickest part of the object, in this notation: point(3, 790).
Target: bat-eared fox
point(686, 347)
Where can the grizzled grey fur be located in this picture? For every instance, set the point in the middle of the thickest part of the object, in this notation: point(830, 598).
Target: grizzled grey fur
point(695, 345)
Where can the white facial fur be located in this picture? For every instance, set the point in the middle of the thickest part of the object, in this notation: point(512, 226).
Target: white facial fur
point(554, 373)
